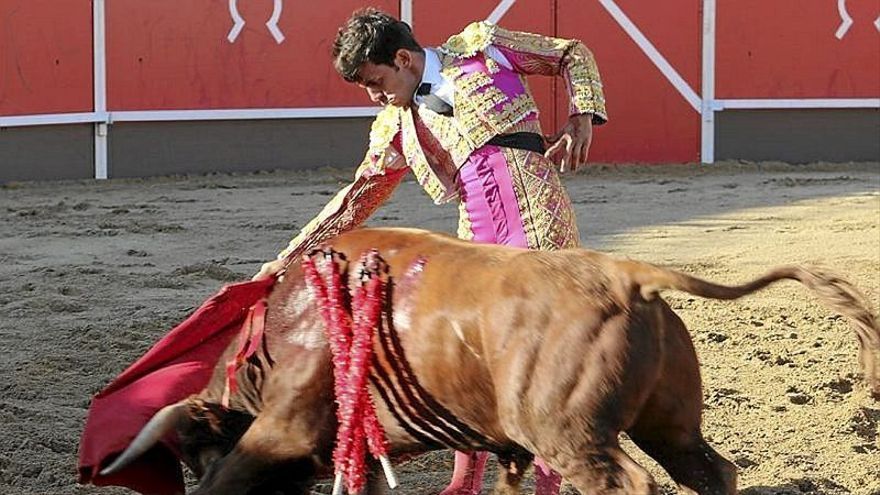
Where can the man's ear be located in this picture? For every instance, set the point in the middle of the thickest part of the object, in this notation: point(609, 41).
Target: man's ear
point(403, 58)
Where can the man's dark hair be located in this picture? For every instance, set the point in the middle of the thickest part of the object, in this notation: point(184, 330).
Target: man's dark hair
point(370, 35)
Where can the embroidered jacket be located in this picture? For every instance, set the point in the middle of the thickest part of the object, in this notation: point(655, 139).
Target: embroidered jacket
point(489, 99)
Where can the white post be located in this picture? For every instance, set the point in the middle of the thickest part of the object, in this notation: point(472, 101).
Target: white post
point(707, 108)
point(501, 9)
point(406, 11)
point(100, 86)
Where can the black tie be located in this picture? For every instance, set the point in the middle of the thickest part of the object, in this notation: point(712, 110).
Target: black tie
point(432, 101)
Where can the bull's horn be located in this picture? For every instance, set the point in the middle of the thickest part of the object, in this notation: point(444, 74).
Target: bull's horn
point(158, 426)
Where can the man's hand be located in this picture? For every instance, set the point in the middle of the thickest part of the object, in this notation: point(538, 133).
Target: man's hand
point(269, 269)
point(571, 145)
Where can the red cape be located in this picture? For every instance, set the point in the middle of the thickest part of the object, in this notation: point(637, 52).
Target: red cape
point(179, 365)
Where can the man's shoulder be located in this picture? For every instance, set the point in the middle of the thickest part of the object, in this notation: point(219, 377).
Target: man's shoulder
point(473, 39)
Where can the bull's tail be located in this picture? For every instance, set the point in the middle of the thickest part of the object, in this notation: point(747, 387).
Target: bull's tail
point(832, 291)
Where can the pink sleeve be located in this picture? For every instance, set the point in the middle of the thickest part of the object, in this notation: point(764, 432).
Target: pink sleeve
point(533, 54)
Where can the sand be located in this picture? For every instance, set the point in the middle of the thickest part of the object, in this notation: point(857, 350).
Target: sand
point(92, 273)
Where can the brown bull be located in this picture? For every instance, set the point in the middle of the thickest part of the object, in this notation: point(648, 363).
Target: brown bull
point(490, 348)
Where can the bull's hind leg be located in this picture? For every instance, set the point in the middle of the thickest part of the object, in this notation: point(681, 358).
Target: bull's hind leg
point(606, 470)
point(692, 463)
point(668, 427)
point(574, 423)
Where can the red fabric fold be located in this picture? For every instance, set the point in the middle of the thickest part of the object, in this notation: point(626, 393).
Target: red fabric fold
point(179, 365)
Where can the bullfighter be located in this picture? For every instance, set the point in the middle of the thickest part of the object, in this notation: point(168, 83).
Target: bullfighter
point(462, 118)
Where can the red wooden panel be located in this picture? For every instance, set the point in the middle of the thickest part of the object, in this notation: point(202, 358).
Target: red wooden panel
point(788, 49)
point(168, 54)
point(45, 56)
point(434, 22)
point(650, 121)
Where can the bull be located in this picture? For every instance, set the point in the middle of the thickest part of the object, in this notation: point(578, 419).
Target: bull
point(517, 352)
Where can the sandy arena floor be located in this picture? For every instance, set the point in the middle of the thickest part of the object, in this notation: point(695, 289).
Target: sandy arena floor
point(93, 273)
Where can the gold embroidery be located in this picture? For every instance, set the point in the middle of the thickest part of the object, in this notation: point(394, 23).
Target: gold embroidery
point(417, 161)
point(447, 131)
point(531, 43)
point(471, 82)
point(492, 66)
point(584, 84)
point(449, 70)
point(476, 130)
point(465, 230)
point(384, 128)
point(485, 101)
point(547, 214)
point(512, 113)
point(475, 38)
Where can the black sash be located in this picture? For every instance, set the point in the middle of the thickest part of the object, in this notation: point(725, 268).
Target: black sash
point(530, 141)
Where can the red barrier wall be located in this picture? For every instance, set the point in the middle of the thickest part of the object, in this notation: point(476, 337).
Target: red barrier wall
point(788, 49)
point(168, 54)
point(649, 121)
point(173, 55)
point(45, 56)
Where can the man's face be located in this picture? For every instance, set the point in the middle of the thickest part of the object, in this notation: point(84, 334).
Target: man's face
point(389, 85)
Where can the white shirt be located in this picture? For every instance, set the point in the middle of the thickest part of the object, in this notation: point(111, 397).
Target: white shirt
point(443, 87)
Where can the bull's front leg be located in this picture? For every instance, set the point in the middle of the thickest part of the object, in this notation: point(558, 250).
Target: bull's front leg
point(511, 474)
